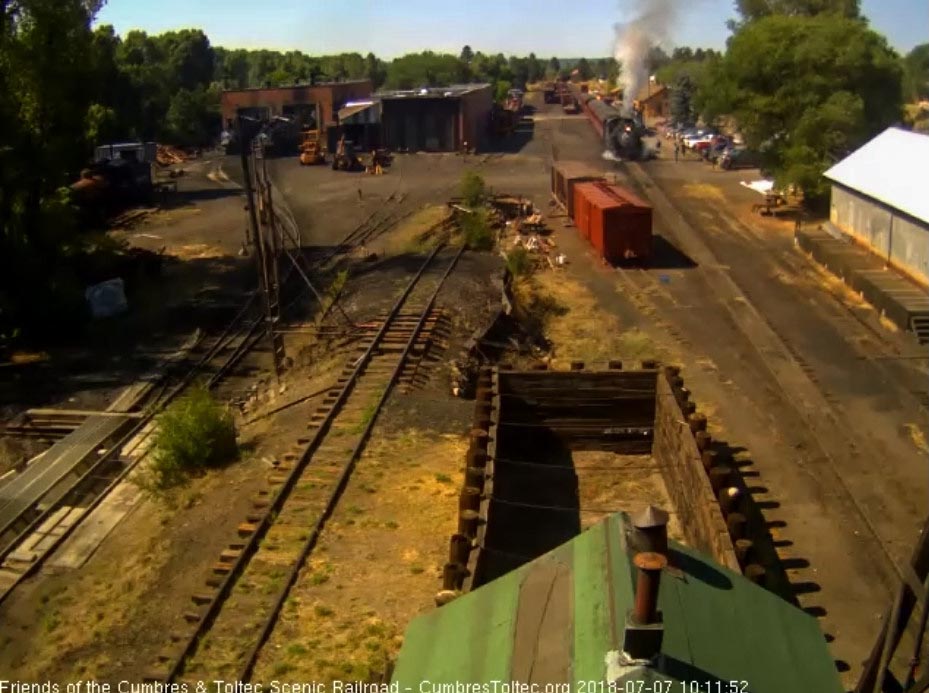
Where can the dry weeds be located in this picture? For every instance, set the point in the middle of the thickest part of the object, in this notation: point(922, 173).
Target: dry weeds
point(76, 615)
point(704, 191)
point(413, 234)
point(377, 564)
point(581, 329)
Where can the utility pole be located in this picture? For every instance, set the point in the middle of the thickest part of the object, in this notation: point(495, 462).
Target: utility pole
point(245, 141)
point(260, 213)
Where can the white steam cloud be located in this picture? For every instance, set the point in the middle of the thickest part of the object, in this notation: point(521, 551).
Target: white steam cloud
point(649, 26)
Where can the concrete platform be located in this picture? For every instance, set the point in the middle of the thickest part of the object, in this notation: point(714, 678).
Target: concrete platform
point(903, 302)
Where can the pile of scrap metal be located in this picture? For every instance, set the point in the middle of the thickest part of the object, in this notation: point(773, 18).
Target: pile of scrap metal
point(167, 155)
point(542, 249)
point(512, 207)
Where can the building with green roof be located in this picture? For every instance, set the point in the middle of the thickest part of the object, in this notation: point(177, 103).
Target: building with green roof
point(566, 621)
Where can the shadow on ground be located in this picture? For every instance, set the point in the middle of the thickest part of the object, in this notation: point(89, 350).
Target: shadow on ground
point(514, 142)
point(665, 256)
point(768, 536)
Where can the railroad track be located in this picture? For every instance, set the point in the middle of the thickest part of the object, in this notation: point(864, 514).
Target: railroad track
point(227, 624)
point(42, 527)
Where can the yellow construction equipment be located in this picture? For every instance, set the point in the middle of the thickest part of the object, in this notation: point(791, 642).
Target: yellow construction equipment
point(311, 152)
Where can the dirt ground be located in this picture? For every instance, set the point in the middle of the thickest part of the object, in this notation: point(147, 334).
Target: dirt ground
point(836, 519)
point(163, 553)
point(837, 509)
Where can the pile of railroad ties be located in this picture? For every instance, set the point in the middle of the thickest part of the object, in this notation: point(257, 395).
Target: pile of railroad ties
point(528, 227)
point(614, 220)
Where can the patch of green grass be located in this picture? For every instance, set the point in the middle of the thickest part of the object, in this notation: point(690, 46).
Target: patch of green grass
point(193, 434)
point(296, 650)
point(333, 291)
point(367, 414)
point(321, 574)
point(519, 262)
point(443, 478)
point(472, 188)
point(51, 621)
point(322, 611)
point(417, 569)
point(390, 524)
point(477, 229)
point(282, 668)
point(376, 628)
point(635, 343)
point(355, 510)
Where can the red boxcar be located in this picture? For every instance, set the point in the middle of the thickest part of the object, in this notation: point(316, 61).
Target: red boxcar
point(618, 223)
point(581, 209)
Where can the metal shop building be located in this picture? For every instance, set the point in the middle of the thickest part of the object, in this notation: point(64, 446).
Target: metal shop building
point(442, 119)
point(879, 198)
point(312, 105)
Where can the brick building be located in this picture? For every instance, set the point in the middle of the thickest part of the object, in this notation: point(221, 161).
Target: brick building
point(315, 104)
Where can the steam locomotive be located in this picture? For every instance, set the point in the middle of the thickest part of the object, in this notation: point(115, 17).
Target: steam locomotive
point(621, 133)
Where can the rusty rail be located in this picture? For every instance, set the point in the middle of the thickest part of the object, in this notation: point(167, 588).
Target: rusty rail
point(223, 586)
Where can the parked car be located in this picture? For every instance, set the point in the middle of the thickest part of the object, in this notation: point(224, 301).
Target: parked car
point(707, 144)
point(739, 157)
point(713, 148)
point(702, 140)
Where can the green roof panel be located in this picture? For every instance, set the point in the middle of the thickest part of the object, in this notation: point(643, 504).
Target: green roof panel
point(560, 619)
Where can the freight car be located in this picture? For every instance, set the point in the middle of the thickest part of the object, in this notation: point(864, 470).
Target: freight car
point(614, 220)
point(621, 133)
point(565, 175)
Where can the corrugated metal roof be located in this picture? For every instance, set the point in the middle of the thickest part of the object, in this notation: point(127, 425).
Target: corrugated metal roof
point(453, 91)
point(559, 618)
point(892, 168)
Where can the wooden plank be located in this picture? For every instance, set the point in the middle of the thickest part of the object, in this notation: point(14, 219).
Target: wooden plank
point(81, 412)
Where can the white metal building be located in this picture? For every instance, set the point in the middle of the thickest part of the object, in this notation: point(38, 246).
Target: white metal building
point(880, 195)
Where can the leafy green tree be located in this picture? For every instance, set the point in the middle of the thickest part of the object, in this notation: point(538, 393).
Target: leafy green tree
point(501, 89)
point(682, 108)
point(916, 73)
point(808, 90)
point(535, 68)
point(47, 83)
point(519, 68)
point(584, 70)
point(375, 70)
point(750, 10)
point(554, 66)
point(425, 69)
point(467, 55)
point(193, 116)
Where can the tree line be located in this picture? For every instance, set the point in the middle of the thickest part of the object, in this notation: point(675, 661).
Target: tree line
point(806, 81)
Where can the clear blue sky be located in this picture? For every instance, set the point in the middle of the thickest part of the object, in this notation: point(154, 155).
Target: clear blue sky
point(389, 28)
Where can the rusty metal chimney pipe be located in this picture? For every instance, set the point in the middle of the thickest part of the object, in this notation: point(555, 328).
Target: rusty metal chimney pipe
point(650, 565)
